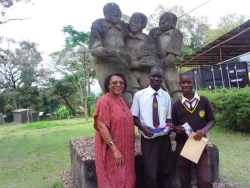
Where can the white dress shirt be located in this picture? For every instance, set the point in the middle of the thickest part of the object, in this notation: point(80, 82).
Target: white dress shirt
point(142, 108)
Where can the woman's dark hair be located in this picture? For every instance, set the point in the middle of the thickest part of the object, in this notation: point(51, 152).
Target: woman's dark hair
point(107, 80)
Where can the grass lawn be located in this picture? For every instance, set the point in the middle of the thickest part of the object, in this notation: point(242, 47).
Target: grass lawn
point(34, 154)
point(35, 157)
point(234, 154)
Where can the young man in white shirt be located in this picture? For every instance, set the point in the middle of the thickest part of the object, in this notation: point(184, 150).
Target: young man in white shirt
point(156, 147)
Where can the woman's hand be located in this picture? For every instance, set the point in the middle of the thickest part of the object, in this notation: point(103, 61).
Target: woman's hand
point(119, 160)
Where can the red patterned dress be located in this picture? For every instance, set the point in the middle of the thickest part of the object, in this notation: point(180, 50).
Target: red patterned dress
point(117, 117)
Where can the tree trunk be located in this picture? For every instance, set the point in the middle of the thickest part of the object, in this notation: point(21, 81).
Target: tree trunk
point(69, 106)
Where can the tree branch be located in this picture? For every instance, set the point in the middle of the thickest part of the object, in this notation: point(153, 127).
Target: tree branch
point(13, 19)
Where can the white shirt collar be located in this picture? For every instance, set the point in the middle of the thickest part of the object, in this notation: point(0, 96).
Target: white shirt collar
point(196, 96)
point(152, 91)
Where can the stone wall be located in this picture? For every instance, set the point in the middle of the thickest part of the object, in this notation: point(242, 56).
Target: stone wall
point(83, 164)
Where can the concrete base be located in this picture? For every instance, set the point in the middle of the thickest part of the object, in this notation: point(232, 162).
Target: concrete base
point(83, 164)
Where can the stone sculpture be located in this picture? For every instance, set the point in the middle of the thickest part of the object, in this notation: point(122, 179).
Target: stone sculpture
point(121, 47)
point(168, 41)
point(107, 46)
point(142, 50)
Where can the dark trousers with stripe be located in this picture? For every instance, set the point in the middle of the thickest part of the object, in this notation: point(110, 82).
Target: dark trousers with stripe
point(157, 157)
point(201, 170)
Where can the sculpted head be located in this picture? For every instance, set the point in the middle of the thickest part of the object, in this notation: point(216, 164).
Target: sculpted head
point(137, 22)
point(167, 21)
point(112, 13)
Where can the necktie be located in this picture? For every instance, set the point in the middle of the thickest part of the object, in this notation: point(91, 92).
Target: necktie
point(190, 103)
point(156, 121)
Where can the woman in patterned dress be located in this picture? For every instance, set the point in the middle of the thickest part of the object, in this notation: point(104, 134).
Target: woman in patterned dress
point(114, 137)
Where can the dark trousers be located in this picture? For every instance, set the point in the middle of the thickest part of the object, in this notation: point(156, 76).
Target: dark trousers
point(201, 170)
point(156, 158)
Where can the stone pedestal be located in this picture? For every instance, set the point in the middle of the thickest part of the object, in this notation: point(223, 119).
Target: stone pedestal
point(83, 164)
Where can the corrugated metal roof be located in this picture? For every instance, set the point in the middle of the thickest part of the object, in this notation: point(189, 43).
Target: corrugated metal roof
point(233, 43)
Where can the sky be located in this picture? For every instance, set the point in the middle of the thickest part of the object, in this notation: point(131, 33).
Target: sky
point(47, 17)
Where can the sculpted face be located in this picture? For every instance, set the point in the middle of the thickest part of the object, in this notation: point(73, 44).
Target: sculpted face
point(165, 23)
point(135, 24)
point(113, 15)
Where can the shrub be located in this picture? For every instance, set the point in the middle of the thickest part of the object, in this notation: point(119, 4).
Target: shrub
point(232, 107)
point(61, 113)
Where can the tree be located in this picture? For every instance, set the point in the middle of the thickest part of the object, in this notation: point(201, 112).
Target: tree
point(64, 89)
point(6, 106)
point(19, 68)
point(225, 24)
point(50, 102)
point(78, 67)
point(125, 18)
point(7, 4)
point(75, 38)
point(29, 97)
point(194, 29)
point(74, 60)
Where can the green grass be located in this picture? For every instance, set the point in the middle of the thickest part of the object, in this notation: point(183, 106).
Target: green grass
point(234, 155)
point(36, 157)
point(34, 154)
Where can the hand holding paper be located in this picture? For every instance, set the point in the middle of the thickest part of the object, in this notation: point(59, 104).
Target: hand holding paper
point(193, 149)
point(199, 134)
point(161, 129)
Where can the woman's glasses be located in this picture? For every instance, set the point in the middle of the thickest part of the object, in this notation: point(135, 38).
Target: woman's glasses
point(117, 82)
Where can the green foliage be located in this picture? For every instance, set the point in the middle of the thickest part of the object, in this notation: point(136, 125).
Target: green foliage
point(21, 69)
point(75, 37)
point(226, 23)
point(232, 107)
point(57, 184)
point(49, 104)
point(65, 90)
point(61, 113)
point(194, 29)
point(29, 98)
point(6, 106)
point(90, 99)
point(125, 18)
point(92, 109)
